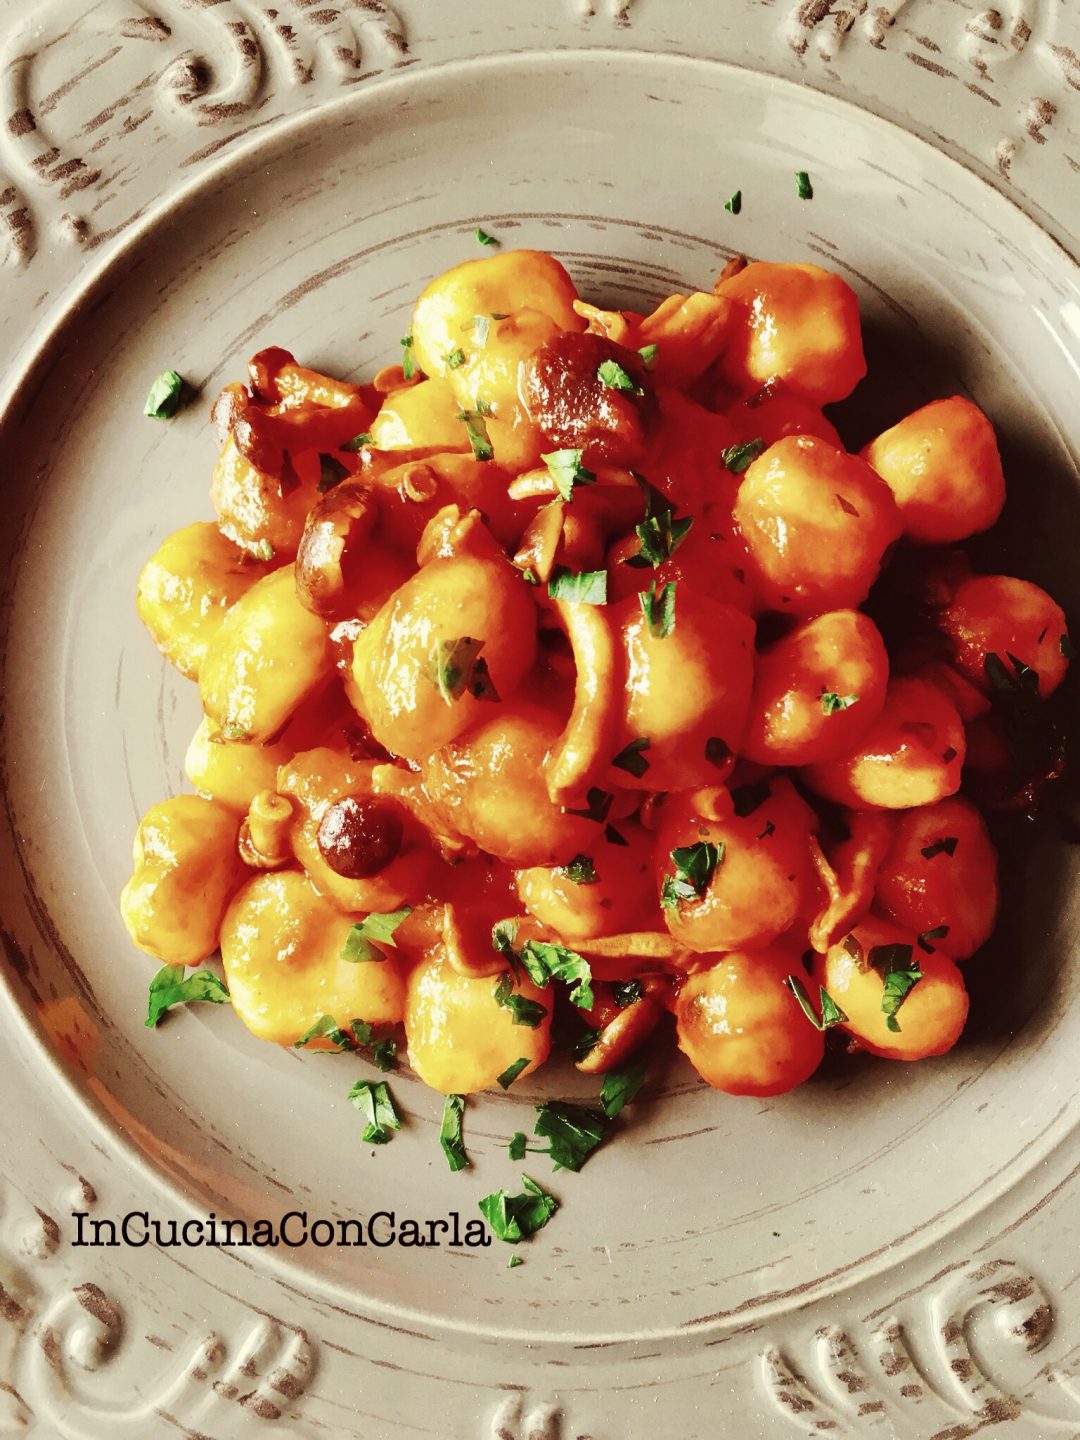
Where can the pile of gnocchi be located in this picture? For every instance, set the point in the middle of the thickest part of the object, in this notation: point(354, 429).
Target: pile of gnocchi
point(572, 674)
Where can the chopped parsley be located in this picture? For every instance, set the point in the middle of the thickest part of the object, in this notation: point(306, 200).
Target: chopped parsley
point(573, 1132)
point(450, 1132)
point(615, 377)
point(659, 610)
point(169, 988)
point(584, 587)
point(769, 829)
point(947, 846)
point(515, 1217)
point(372, 1098)
point(455, 359)
point(695, 866)
point(518, 1146)
point(581, 870)
point(356, 443)
point(511, 1073)
point(626, 992)
point(597, 804)
point(648, 355)
point(660, 535)
point(612, 836)
point(457, 667)
point(739, 458)
point(166, 396)
point(831, 1014)
point(900, 973)
point(566, 469)
point(544, 962)
point(483, 238)
point(631, 759)
point(524, 1011)
point(503, 936)
point(937, 933)
point(620, 1087)
point(327, 1028)
point(263, 550)
point(331, 473)
point(803, 188)
point(378, 927)
point(733, 204)
point(477, 431)
point(831, 702)
point(384, 1054)
point(408, 360)
point(514, 1262)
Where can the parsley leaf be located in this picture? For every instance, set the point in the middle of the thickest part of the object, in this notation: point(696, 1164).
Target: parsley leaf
point(695, 866)
point(356, 443)
point(477, 431)
point(901, 974)
point(378, 927)
point(581, 870)
point(457, 667)
point(408, 362)
point(331, 473)
point(598, 803)
point(660, 535)
point(511, 1073)
point(803, 188)
point(620, 1087)
point(733, 205)
point(455, 359)
point(372, 1098)
point(831, 1014)
point(517, 1147)
point(503, 936)
point(585, 587)
point(263, 550)
point(325, 1028)
point(483, 238)
point(384, 1054)
point(450, 1132)
point(545, 962)
point(612, 374)
point(937, 933)
point(626, 992)
point(573, 1132)
point(659, 610)
point(631, 759)
point(739, 458)
point(831, 702)
point(524, 1011)
point(567, 471)
point(514, 1262)
point(166, 396)
point(648, 355)
point(169, 988)
point(947, 846)
point(514, 1217)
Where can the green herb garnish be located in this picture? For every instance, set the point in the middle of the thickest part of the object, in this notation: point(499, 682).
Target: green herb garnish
point(517, 1147)
point(511, 1073)
point(544, 962)
point(901, 974)
point(457, 667)
point(408, 361)
point(566, 469)
point(331, 473)
point(803, 188)
point(660, 535)
point(384, 1054)
point(477, 431)
point(615, 377)
point(695, 866)
point(937, 933)
point(572, 1131)
point(514, 1217)
point(166, 396)
point(659, 610)
point(372, 1099)
point(831, 1014)
point(455, 359)
point(648, 355)
point(831, 703)
point(483, 238)
point(524, 1011)
point(357, 443)
point(262, 550)
point(733, 205)
point(598, 803)
point(626, 992)
point(620, 1087)
point(739, 458)
point(745, 799)
point(169, 988)
point(631, 759)
point(581, 870)
point(378, 927)
point(450, 1132)
point(584, 587)
point(941, 847)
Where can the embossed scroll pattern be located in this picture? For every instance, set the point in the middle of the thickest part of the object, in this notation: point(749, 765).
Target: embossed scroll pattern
point(58, 1332)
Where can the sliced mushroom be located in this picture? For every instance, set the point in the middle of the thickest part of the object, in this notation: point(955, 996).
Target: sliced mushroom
point(583, 753)
point(341, 521)
point(265, 841)
point(850, 879)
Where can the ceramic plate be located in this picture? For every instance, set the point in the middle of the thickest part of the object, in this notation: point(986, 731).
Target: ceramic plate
point(708, 1227)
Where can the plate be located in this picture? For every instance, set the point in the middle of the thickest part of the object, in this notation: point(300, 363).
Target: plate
point(705, 1217)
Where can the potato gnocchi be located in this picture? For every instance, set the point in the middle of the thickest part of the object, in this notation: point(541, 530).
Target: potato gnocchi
point(552, 694)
